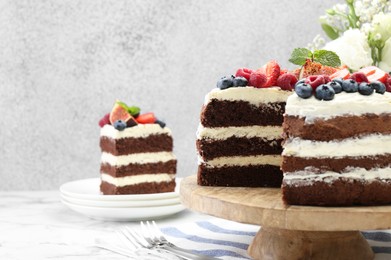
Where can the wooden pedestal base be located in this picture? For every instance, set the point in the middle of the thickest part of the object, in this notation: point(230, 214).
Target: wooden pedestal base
point(280, 244)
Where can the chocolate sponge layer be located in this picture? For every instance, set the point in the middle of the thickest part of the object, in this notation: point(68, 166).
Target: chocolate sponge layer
point(143, 188)
point(137, 169)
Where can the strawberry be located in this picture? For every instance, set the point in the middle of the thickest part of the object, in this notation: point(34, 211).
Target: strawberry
point(315, 81)
point(378, 75)
point(272, 72)
point(244, 72)
point(359, 77)
point(343, 73)
point(105, 120)
point(286, 81)
point(368, 70)
point(283, 71)
point(148, 118)
point(257, 79)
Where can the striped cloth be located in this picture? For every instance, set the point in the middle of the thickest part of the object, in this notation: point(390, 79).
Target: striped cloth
point(229, 240)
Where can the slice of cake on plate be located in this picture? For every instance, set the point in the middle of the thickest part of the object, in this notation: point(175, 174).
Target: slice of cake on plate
point(239, 135)
point(137, 155)
point(337, 146)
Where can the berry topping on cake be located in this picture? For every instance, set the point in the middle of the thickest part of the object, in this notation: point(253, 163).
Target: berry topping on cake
point(324, 92)
point(373, 73)
point(244, 72)
point(343, 74)
point(365, 89)
point(303, 90)
point(119, 112)
point(359, 77)
point(147, 118)
point(240, 82)
point(119, 125)
point(161, 123)
point(336, 86)
point(315, 80)
point(257, 79)
point(350, 86)
point(378, 87)
point(272, 72)
point(286, 81)
point(225, 82)
point(105, 120)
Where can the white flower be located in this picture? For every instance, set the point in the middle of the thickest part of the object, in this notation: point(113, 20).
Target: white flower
point(352, 48)
point(382, 26)
point(385, 63)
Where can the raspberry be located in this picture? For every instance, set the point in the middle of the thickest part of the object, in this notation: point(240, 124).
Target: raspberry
point(388, 84)
point(244, 72)
point(257, 80)
point(283, 71)
point(272, 72)
point(359, 77)
point(315, 81)
point(105, 120)
point(286, 81)
point(327, 78)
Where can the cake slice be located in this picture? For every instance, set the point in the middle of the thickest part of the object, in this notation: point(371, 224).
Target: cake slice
point(137, 155)
point(239, 135)
point(337, 147)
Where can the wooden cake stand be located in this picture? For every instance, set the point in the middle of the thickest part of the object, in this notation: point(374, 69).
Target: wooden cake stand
point(289, 232)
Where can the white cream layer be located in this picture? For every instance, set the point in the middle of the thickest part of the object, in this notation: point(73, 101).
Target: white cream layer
point(343, 103)
point(255, 96)
point(329, 177)
point(137, 158)
point(368, 145)
point(137, 179)
point(243, 160)
point(141, 130)
point(222, 133)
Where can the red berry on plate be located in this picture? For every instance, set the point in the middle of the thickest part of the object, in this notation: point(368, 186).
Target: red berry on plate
point(359, 77)
point(315, 81)
point(286, 81)
point(105, 120)
point(257, 79)
point(244, 72)
point(272, 72)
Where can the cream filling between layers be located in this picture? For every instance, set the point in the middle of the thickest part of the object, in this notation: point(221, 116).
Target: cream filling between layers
point(140, 130)
point(255, 96)
point(343, 104)
point(243, 160)
point(137, 158)
point(368, 145)
point(223, 133)
point(137, 179)
point(329, 176)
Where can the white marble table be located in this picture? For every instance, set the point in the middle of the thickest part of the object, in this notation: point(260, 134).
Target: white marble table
point(36, 225)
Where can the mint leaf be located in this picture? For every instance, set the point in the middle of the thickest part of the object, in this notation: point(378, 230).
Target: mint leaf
point(122, 104)
point(327, 58)
point(330, 31)
point(133, 110)
point(300, 55)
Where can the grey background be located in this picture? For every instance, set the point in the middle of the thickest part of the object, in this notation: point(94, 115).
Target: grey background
point(63, 64)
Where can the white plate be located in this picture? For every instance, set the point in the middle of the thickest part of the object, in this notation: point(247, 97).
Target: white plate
point(121, 203)
point(126, 214)
point(89, 189)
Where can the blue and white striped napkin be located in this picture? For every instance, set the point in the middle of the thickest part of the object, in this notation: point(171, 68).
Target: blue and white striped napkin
point(229, 240)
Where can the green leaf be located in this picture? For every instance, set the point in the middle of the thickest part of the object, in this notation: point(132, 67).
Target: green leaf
point(300, 55)
point(327, 58)
point(122, 104)
point(330, 31)
point(133, 110)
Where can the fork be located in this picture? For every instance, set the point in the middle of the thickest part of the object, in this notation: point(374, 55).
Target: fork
point(152, 238)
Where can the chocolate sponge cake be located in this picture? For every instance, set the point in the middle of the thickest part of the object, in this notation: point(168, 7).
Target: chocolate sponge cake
point(337, 147)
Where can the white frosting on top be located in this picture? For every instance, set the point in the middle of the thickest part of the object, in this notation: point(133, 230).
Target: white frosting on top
point(243, 160)
point(255, 96)
point(343, 103)
point(136, 179)
point(222, 133)
point(140, 130)
point(373, 144)
point(137, 158)
point(307, 177)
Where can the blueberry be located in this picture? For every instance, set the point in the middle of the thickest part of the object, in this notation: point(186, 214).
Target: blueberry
point(378, 86)
point(303, 90)
point(336, 86)
point(350, 86)
point(119, 125)
point(225, 82)
point(161, 123)
point(324, 92)
point(338, 80)
point(365, 89)
point(300, 82)
point(240, 82)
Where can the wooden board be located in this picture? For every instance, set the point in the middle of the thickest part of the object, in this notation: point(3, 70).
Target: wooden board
point(264, 207)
